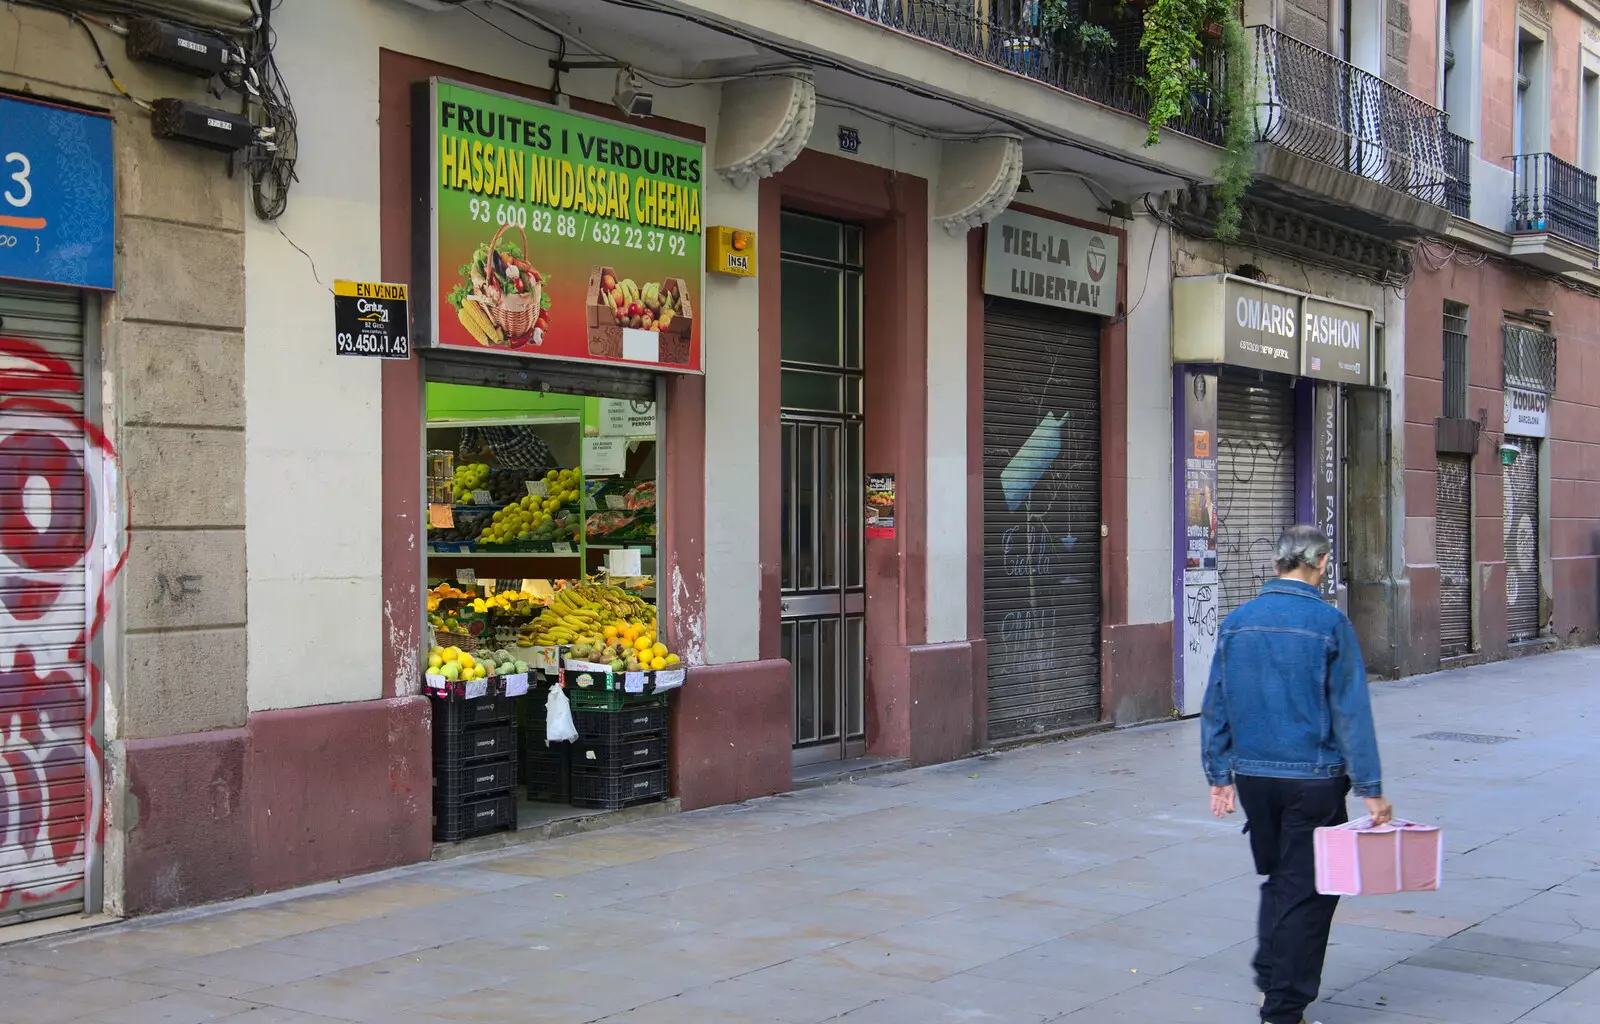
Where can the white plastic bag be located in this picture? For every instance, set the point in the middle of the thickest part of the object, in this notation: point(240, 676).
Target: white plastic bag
point(558, 727)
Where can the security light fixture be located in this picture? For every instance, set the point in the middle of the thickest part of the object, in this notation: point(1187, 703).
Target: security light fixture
point(1024, 185)
point(1509, 453)
point(631, 97)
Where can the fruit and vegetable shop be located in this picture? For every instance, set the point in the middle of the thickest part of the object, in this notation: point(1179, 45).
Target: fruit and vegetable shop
point(553, 322)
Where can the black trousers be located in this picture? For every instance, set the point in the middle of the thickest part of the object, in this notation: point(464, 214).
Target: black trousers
point(1294, 919)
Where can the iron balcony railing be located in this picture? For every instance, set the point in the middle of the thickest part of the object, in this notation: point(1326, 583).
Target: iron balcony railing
point(1457, 175)
point(1006, 34)
point(1549, 194)
point(1312, 103)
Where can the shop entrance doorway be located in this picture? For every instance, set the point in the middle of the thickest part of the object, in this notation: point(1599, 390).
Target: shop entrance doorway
point(824, 597)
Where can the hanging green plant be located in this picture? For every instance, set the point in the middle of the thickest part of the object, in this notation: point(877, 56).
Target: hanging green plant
point(1238, 140)
point(1066, 22)
point(1175, 36)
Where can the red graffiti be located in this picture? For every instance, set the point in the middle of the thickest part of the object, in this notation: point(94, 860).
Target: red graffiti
point(52, 823)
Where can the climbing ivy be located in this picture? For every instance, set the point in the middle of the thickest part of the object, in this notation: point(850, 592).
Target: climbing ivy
point(1174, 42)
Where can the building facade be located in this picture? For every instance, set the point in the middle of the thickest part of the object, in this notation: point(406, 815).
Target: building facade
point(891, 482)
point(1501, 387)
point(1288, 344)
point(910, 393)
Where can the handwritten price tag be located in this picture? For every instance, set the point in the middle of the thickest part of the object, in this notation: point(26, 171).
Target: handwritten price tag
point(467, 577)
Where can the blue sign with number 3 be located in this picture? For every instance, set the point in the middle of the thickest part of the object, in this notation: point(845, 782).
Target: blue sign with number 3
point(57, 195)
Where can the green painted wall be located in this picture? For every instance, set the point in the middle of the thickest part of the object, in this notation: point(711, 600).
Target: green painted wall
point(464, 402)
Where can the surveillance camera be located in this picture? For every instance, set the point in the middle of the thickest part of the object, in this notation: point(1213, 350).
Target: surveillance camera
point(632, 98)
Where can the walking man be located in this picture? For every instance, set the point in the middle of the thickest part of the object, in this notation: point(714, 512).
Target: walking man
point(1287, 732)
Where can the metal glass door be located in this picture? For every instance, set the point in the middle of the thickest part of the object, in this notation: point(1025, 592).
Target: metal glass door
point(824, 599)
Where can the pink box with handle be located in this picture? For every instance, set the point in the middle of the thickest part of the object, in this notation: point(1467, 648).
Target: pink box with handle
point(1362, 859)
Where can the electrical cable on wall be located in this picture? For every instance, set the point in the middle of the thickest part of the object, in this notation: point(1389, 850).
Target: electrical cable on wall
point(270, 164)
point(252, 72)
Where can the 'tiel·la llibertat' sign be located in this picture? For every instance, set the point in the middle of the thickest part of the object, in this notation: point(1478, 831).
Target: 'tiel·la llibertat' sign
point(1034, 259)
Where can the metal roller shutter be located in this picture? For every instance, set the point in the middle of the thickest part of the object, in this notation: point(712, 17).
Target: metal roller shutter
point(1453, 552)
point(1255, 481)
point(1041, 525)
point(490, 370)
point(45, 785)
point(1522, 541)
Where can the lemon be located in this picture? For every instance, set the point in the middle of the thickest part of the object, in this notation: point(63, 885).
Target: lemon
point(434, 661)
point(671, 659)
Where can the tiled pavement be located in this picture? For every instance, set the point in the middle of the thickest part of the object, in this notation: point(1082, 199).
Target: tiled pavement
point(1080, 882)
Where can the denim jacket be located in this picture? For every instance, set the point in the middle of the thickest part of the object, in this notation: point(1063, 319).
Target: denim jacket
point(1287, 697)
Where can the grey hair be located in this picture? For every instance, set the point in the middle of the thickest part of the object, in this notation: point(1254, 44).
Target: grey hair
point(1300, 545)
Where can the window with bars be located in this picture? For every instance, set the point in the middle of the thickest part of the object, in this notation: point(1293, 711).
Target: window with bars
point(1455, 360)
point(1530, 359)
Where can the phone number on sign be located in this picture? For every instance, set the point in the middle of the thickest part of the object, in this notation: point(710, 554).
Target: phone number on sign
point(566, 226)
point(364, 344)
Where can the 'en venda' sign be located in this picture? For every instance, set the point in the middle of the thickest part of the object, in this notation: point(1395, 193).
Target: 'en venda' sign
point(1055, 264)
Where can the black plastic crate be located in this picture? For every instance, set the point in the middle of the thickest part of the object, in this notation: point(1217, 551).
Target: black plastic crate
point(613, 727)
point(453, 712)
point(452, 785)
point(603, 699)
point(476, 817)
point(608, 791)
point(638, 752)
point(547, 772)
point(452, 750)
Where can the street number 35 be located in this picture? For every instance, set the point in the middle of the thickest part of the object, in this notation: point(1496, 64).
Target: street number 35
point(21, 178)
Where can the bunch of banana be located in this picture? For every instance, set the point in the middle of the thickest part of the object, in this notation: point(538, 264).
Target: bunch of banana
point(580, 613)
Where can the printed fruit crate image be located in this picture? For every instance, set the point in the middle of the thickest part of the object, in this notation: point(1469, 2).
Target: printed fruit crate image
point(649, 323)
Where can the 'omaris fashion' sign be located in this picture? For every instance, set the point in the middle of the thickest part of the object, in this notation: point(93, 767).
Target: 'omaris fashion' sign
point(1239, 322)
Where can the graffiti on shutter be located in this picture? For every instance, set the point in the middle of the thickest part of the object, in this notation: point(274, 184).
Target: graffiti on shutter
point(1521, 524)
point(1255, 481)
point(1453, 553)
point(51, 766)
point(1041, 526)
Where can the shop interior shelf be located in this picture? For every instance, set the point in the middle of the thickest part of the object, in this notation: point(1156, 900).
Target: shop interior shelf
point(491, 553)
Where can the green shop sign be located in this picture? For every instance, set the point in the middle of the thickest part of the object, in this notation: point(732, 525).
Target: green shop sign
point(559, 235)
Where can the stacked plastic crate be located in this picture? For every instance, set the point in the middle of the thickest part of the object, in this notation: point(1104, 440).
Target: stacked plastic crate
point(474, 765)
point(620, 756)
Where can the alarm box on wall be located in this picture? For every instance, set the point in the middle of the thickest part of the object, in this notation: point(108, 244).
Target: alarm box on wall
point(731, 251)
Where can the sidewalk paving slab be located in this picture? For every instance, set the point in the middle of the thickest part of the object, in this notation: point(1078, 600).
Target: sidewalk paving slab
point(1079, 882)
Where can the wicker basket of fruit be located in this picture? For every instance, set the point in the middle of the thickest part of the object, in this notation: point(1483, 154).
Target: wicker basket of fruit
point(502, 303)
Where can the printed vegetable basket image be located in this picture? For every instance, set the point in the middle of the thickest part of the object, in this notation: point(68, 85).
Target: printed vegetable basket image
point(502, 301)
point(650, 323)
